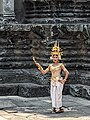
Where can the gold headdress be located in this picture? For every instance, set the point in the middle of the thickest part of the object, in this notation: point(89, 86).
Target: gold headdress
point(56, 50)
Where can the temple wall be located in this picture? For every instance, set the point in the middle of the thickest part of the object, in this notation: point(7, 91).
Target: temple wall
point(19, 43)
point(53, 12)
point(30, 29)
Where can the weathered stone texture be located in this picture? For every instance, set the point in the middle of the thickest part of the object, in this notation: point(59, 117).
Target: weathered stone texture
point(24, 90)
point(33, 90)
point(79, 90)
point(8, 89)
point(56, 11)
point(18, 45)
point(67, 21)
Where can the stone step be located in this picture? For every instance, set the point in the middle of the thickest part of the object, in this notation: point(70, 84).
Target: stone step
point(80, 90)
point(16, 47)
point(20, 64)
point(67, 11)
point(27, 90)
point(31, 74)
point(64, 20)
point(29, 11)
point(80, 59)
point(15, 58)
point(64, 4)
point(18, 54)
point(24, 90)
point(60, 11)
point(28, 62)
point(57, 15)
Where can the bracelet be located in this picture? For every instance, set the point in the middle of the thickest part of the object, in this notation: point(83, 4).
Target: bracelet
point(40, 68)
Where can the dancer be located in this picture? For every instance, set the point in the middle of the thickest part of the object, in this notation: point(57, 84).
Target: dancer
point(57, 82)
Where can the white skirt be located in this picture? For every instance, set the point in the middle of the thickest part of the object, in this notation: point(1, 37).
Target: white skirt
point(56, 94)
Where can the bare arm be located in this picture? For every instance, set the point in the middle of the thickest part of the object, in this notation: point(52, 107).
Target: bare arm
point(66, 73)
point(41, 69)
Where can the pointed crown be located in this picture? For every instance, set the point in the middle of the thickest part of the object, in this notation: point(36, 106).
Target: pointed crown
point(56, 50)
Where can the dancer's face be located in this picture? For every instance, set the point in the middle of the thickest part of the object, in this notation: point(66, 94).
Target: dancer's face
point(55, 58)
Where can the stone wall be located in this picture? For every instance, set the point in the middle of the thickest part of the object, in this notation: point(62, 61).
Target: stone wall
point(18, 43)
point(40, 24)
point(53, 11)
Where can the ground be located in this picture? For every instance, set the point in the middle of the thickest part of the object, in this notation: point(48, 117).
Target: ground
point(21, 108)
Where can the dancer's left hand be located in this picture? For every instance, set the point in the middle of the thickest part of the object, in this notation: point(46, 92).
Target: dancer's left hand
point(63, 81)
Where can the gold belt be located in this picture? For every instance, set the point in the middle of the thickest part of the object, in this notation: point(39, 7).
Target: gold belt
point(55, 78)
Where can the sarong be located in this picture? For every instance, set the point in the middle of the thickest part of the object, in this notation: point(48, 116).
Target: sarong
point(56, 94)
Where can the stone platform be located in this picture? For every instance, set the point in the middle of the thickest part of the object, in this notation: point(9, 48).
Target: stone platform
point(36, 90)
point(39, 108)
point(80, 90)
point(24, 89)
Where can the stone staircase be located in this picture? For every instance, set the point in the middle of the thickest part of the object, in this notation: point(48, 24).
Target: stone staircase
point(50, 12)
point(18, 46)
point(69, 23)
